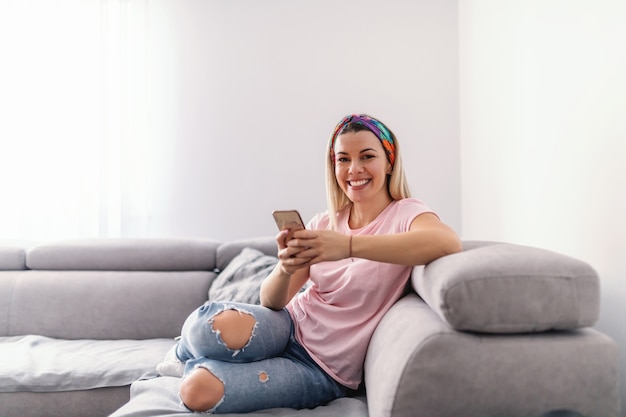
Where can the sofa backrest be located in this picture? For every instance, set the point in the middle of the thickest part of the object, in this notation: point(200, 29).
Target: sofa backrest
point(146, 288)
point(228, 250)
point(105, 288)
point(12, 258)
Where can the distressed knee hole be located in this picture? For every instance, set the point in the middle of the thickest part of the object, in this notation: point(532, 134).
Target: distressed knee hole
point(263, 376)
point(234, 327)
point(201, 390)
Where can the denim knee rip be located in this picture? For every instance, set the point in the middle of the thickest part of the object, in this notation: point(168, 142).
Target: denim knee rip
point(217, 332)
point(211, 410)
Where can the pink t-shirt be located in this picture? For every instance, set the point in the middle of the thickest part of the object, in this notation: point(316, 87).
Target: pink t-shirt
point(336, 316)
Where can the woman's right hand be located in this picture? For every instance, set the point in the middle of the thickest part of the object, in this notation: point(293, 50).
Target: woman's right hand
point(288, 257)
point(288, 276)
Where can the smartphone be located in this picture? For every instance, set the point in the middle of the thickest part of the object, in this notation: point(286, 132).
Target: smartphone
point(288, 219)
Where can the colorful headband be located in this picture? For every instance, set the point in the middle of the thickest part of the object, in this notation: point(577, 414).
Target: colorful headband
point(374, 126)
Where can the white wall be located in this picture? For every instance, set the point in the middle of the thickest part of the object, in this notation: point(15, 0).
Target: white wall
point(543, 134)
point(244, 95)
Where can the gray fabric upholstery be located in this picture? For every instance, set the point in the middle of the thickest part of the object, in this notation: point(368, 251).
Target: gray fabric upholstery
point(418, 365)
point(41, 364)
point(8, 281)
point(98, 402)
point(125, 255)
point(100, 304)
point(241, 279)
point(159, 398)
point(507, 288)
point(12, 257)
point(227, 251)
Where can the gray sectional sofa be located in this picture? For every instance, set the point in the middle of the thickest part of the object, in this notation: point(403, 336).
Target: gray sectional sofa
point(496, 330)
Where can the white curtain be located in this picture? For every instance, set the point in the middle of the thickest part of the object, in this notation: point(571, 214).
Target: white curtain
point(73, 117)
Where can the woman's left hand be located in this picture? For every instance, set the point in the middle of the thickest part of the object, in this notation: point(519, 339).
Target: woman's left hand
point(322, 245)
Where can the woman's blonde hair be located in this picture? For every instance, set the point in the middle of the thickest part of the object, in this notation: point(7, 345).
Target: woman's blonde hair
point(397, 185)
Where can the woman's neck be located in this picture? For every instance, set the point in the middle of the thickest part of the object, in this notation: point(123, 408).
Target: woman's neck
point(362, 214)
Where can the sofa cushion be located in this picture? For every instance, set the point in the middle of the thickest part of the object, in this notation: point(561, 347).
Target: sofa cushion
point(507, 288)
point(12, 258)
point(125, 254)
point(98, 402)
point(227, 251)
point(42, 364)
point(159, 397)
point(100, 304)
point(241, 279)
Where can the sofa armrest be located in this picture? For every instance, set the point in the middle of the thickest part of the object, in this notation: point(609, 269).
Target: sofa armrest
point(507, 288)
point(417, 363)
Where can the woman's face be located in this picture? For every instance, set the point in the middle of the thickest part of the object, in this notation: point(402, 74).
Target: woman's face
point(361, 166)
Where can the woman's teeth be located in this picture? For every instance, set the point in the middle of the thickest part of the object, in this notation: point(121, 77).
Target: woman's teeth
point(358, 183)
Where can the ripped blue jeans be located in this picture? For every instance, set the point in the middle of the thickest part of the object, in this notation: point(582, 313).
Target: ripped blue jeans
point(272, 370)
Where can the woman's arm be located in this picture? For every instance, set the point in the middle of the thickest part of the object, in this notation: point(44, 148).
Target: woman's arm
point(427, 239)
point(279, 287)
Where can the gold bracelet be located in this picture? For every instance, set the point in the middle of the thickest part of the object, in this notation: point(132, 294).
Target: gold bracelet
point(350, 246)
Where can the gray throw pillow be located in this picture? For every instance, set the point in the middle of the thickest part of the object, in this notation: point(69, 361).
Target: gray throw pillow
point(241, 279)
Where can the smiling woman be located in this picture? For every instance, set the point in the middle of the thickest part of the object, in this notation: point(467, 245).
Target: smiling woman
point(361, 169)
point(363, 249)
point(72, 119)
point(369, 140)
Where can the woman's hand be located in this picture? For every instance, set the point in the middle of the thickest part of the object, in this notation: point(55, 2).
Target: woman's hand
point(288, 276)
point(290, 255)
point(427, 239)
point(316, 246)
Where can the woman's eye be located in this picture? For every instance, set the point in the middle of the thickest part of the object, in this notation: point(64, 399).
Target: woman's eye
point(342, 159)
point(367, 157)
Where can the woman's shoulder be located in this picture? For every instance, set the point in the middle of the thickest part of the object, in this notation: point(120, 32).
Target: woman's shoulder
point(404, 211)
point(411, 203)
